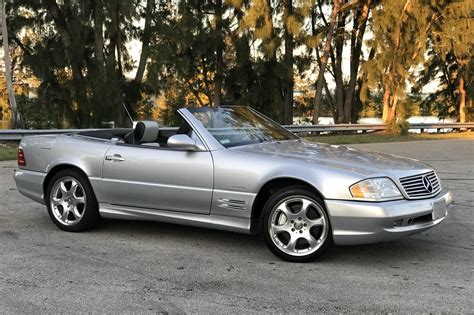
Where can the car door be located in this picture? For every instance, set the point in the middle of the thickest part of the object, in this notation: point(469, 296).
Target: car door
point(158, 178)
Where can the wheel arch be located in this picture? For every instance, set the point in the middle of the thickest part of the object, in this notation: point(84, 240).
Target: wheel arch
point(268, 189)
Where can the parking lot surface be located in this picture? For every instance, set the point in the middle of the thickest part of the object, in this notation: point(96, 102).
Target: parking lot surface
point(155, 267)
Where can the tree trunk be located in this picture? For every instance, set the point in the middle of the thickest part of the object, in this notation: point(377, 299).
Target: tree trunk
point(393, 108)
point(99, 38)
point(360, 23)
point(337, 61)
point(318, 60)
point(114, 58)
point(462, 101)
point(219, 76)
point(288, 60)
point(447, 80)
point(324, 61)
point(386, 104)
point(118, 40)
point(147, 32)
point(8, 72)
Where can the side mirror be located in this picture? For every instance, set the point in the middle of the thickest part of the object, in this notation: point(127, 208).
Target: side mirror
point(182, 142)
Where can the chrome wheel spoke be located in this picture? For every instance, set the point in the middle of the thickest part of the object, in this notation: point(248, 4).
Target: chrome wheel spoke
point(310, 239)
point(304, 207)
point(291, 246)
point(65, 215)
point(280, 228)
point(316, 222)
point(79, 200)
point(63, 188)
point(76, 213)
point(74, 186)
point(57, 201)
point(284, 209)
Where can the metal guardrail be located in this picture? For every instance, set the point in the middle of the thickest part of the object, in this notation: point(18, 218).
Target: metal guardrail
point(375, 127)
point(18, 134)
point(334, 128)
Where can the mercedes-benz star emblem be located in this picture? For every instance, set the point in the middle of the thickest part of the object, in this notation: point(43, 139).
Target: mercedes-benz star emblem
point(427, 183)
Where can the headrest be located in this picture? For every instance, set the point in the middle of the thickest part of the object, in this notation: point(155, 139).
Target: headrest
point(146, 131)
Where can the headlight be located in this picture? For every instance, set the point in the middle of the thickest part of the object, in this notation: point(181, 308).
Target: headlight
point(375, 189)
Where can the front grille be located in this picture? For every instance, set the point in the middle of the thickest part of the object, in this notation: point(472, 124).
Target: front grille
point(421, 185)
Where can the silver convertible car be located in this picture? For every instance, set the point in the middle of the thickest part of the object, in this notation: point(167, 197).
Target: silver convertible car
point(234, 169)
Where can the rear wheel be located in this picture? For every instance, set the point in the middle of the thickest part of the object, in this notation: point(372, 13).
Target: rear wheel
point(295, 225)
point(71, 202)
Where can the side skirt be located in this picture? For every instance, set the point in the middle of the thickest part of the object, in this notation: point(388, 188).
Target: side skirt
point(218, 222)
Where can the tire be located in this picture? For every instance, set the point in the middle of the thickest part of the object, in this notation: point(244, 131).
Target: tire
point(71, 202)
point(295, 225)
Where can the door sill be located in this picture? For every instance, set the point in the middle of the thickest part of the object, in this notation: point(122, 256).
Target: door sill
point(218, 222)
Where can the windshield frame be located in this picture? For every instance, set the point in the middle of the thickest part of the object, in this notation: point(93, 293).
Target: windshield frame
point(266, 120)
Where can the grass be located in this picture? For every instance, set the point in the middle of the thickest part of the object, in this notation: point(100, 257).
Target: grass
point(8, 151)
point(383, 137)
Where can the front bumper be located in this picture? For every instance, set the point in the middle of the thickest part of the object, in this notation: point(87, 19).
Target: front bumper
point(30, 184)
point(355, 222)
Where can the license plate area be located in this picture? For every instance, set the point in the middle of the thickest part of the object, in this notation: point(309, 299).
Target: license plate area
point(439, 209)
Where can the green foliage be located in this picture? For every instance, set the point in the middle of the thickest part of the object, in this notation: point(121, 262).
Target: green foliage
point(407, 107)
point(60, 48)
point(78, 51)
point(37, 115)
point(372, 104)
point(8, 152)
point(399, 29)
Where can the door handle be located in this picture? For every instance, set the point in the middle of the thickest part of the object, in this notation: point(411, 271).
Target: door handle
point(115, 157)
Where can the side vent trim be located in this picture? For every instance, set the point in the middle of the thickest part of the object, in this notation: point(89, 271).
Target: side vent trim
point(232, 204)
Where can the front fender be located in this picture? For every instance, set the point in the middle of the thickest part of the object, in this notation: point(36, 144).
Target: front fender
point(246, 172)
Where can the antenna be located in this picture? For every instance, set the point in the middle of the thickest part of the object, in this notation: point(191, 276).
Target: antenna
point(128, 113)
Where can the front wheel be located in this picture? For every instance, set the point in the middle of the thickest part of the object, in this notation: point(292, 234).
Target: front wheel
point(295, 225)
point(71, 202)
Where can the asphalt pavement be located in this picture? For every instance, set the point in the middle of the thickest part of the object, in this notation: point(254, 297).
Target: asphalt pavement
point(163, 268)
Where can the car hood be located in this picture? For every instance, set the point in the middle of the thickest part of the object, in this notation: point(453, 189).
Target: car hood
point(337, 156)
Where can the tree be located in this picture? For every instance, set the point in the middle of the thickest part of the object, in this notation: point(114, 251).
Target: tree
point(453, 42)
point(249, 52)
point(8, 73)
point(324, 60)
point(399, 39)
point(80, 46)
point(360, 20)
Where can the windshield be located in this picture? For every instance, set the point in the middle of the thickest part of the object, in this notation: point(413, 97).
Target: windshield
point(235, 125)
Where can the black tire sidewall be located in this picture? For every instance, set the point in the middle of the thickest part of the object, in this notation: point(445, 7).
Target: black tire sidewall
point(265, 217)
point(91, 215)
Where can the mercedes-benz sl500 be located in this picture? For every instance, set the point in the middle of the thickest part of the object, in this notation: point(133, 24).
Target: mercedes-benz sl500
point(234, 169)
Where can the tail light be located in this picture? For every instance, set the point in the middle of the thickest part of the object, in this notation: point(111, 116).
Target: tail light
point(21, 158)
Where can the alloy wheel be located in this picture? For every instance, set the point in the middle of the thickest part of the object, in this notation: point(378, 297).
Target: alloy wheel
point(68, 200)
point(298, 226)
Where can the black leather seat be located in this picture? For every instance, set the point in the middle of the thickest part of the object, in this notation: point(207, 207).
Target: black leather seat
point(144, 132)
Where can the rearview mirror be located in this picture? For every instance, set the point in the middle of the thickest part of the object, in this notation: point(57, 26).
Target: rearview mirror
point(182, 142)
